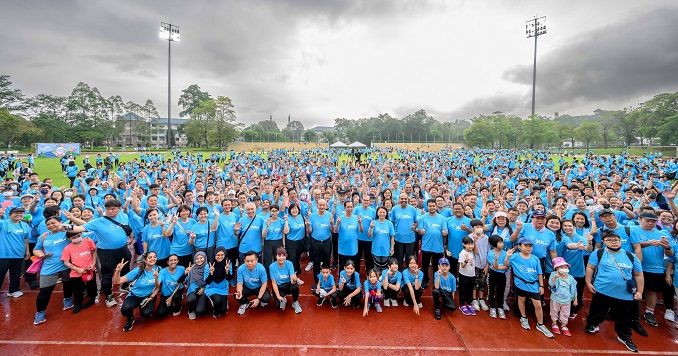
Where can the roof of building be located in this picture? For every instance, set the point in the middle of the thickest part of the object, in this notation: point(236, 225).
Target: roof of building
point(322, 128)
point(163, 120)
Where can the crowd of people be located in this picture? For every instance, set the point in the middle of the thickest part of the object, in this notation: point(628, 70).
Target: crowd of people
point(495, 230)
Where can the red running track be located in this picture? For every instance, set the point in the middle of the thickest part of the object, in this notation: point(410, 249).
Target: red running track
point(316, 331)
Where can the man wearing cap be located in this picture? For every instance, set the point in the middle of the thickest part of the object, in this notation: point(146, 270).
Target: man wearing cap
point(610, 289)
point(444, 286)
point(13, 249)
point(655, 247)
point(543, 239)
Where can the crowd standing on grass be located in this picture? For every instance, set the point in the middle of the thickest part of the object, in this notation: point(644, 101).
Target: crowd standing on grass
point(498, 227)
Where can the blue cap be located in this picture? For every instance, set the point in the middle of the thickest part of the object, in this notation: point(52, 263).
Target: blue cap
point(524, 241)
point(443, 261)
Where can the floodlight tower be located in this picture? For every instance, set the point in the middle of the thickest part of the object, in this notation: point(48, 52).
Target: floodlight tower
point(535, 28)
point(170, 33)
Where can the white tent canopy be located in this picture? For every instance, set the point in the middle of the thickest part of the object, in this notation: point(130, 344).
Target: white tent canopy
point(357, 145)
point(338, 144)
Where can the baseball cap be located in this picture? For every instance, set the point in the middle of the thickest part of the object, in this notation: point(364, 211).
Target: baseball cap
point(524, 241)
point(500, 213)
point(231, 192)
point(539, 214)
point(17, 209)
point(605, 211)
point(648, 215)
point(443, 261)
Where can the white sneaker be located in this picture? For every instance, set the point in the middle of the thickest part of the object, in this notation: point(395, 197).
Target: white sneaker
point(668, 316)
point(493, 313)
point(506, 307)
point(394, 302)
point(19, 293)
point(242, 309)
point(405, 303)
point(300, 282)
point(176, 313)
point(475, 304)
point(283, 303)
point(262, 304)
point(483, 305)
point(420, 305)
point(191, 315)
point(501, 313)
point(297, 307)
point(387, 302)
point(309, 267)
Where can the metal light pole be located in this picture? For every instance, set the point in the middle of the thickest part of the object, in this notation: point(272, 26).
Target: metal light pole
point(170, 33)
point(535, 28)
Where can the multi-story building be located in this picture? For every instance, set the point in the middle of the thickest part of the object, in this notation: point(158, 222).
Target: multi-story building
point(136, 132)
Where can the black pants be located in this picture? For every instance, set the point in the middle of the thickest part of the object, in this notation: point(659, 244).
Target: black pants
point(454, 266)
point(408, 297)
point(364, 250)
point(390, 293)
point(429, 259)
point(294, 251)
point(621, 310)
point(381, 262)
point(320, 250)
point(174, 307)
point(335, 248)
point(45, 294)
point(332, 296)
point(79, 287)
point(285, 289)
point(109, 260)
point(72, 179)
point(269, 252)
point(232, 255)
point(219, 303)
point(342, 294)
point(495, 293)
point(446, 297)
point(401, 250)
point(196, 303)
point(132, 302)
point(465, 288)
point(14, 266)
point(246, 293)
point(581, 283)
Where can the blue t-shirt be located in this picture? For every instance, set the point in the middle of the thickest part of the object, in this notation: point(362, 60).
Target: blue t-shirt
point(348, 236)
point(252, 239)
point(282, 274)
point(297, 228)
point(350, 283)
point(609, 280)
point(156, 241)
point(54, 244)
point(180, 235)
point(13, 239)
point(381, 238)
point(448, 284)
point(403, 219)
point(326, 284)
point(144, 282)
point(367, 286)
point(409, 278)
point(225, 236)
point(321, 226)
point(203, 237)
point(526, 271)
point(169, 281)
point(653, 256)
point(367, 215)
point(220, 288)
point(275, 230)
point(456, 234)
point(252, 279)
point(500, 261)
point(110, 235)
point(396, 278)
point(543, 241)
point(576, 257)
point(432, 240)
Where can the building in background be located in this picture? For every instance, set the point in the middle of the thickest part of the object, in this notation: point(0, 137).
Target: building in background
point(137, 132)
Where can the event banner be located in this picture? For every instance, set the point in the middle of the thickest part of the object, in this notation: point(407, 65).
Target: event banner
point(53, 150)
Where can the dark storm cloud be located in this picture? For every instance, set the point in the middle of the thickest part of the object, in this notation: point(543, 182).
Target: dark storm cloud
point(507, 103)
point(637, 56)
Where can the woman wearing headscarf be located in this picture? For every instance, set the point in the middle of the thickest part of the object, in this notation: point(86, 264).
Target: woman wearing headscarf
point(195, 296)
point(217, 282)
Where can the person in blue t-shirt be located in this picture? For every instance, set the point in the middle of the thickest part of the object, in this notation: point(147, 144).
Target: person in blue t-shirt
point(391, 281)
point(217, 282)
point(171, 287)
point(252, 282)
point(320, 225)
point(444, 286)
point(274, 229)
point(14, 248)
point(433, 230)
point(411, 288)
point(372, 291)
point(145, 285)
point(326, 288)
point(284, 281)
point(349, 290)
point(610, 288)
point(153, 238)
point(250, 232)
point(404, 217)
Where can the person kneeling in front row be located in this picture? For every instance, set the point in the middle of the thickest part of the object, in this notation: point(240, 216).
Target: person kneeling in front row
point(252, 281)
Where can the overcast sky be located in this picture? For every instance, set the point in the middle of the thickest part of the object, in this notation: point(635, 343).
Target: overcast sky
point(318, 60)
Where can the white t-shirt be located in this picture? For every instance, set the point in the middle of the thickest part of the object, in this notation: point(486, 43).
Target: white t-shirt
point(469, 270)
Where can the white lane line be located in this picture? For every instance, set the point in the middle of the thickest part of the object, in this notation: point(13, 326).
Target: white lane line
point(326, 347)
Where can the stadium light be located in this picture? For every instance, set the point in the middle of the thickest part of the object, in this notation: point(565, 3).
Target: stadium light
point(535, 28)
point(169, 33)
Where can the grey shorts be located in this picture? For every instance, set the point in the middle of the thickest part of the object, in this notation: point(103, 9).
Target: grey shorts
point(48, 280)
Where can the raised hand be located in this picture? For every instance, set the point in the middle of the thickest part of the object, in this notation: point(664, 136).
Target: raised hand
point(118, 267)
point(212, 268)
point(189, 268)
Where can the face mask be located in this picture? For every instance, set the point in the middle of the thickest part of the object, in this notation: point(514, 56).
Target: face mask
point(14, 187)
point(77, 240)
point(68, 194)
point(43, 192)
point(614, 249)
point(7, 194)
point(589, 202)
point(563, 271)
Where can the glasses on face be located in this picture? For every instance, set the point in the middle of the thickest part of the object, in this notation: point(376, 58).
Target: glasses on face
point(612, 240)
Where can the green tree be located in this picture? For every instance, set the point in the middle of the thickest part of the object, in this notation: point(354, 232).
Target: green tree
point(607, 122)
point(296, 129)
point(10, 99)
point(190, 99)
point(310, 136)
point(479, 134)
point(223, 130)
point(12, 127)
point(625, 126)
point(198, 125)
point(566, 132)
point(588, 132)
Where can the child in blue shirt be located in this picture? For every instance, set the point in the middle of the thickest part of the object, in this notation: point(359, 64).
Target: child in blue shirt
point(372, 290)
point(326, 287)
point(391, 281)
point(444, 286)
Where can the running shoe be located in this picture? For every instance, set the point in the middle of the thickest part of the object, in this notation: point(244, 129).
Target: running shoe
point(242, 309)
point(591, 329)
point(670, 315)
point(309, 267)
point(475, 304)
point(493, 313)
point(283, 304)
point(573, 315)
point(501, 313)
point(436, 314)
point(387, 302)
point(506, 307)
point(394, 303)
point(192, 316)
point(39, 318)
point(650, 319)
point(68, 303)
point(638, 328)
point(420, 305)
point(555, 329)
point(110, 301)
point(16, 294)
point(471, 310)
point(300, 282)
point(334, 303)
point(464, 310)
point(378, 307)
point(129, 324)
point(565, 331)
point(320, 302)
point(405, 303)
point(297, 307)
point(524, 323)
point(483, 305)
point(628, 343)
point(544, 330)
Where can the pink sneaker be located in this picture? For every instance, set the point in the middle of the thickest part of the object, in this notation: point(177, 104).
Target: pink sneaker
point(555, 329)
point(566, 331)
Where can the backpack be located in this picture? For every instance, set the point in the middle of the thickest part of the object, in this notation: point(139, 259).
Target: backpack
point(599, 253)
